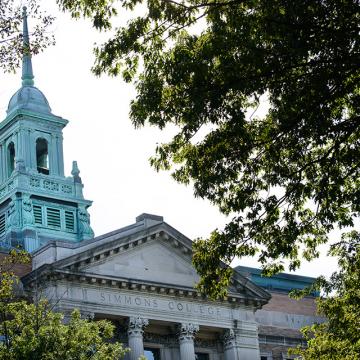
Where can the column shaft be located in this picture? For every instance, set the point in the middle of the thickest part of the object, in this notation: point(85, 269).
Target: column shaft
point(135, 335)
point(137, 347)
point(187, 351)
point(186, 340)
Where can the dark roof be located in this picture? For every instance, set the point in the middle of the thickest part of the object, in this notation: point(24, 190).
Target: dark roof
point(279, 282)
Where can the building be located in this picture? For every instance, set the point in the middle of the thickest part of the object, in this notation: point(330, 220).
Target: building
point(281, 319)
point(140, 276)
point(37, 202)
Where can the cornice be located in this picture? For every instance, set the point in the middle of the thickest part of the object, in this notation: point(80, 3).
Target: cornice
point(37, 116)
point(73, 268)
point(145, 287)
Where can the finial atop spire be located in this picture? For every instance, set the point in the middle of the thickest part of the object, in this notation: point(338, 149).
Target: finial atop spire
point(27, 72)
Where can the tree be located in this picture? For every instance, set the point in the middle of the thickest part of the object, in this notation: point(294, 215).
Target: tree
point(285, 179)
point(33, 331)
point(11, 46)
point(338, 338)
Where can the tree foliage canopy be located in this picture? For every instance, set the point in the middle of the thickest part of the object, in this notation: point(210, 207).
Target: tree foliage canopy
point(33, 331)
point(285, 179)
point(11, 46)
point(338, 338)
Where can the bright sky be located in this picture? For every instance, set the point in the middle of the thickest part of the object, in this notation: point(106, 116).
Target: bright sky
point(111, 154)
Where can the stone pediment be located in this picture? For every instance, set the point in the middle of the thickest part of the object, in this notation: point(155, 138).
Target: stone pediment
point(153, 261)
point(157, 258)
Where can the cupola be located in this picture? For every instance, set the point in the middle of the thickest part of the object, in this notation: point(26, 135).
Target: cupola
point(38, 203)
point(28, 97)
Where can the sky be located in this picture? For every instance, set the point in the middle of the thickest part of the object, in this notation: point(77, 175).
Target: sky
point(112, 155)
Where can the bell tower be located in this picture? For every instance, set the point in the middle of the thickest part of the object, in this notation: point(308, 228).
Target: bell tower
point(37, 202)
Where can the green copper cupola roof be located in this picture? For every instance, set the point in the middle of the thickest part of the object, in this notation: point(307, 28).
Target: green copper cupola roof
point(28, 97)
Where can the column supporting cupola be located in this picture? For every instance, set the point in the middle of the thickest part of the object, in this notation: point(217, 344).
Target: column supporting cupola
point(38, 203)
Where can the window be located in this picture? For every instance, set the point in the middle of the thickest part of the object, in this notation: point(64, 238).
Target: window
point(11, 158)
point(201, 356)
point(152, 354)
point(42, 156)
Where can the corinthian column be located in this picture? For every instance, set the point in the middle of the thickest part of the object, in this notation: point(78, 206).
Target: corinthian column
point(135, 335)
point(186, 339)
point(230, 351)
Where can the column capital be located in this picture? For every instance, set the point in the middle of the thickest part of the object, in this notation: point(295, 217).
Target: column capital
point(229, 338)
point(136, 325)
point(187, 331)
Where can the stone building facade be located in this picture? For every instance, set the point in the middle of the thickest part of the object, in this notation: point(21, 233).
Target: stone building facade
point(140, 276)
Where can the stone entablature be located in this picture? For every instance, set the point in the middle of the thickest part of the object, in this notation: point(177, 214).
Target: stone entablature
point(115, 289)
point(161, 307)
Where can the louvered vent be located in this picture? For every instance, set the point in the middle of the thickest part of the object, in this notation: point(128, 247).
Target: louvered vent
point(2, 224)
point(69, 220)
point(53, 217)
point(37, 214)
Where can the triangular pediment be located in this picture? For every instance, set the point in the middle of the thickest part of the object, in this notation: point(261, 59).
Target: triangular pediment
point(158, 258)
point(151, 262)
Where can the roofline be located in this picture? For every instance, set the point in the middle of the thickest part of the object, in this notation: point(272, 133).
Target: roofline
point(287, 276)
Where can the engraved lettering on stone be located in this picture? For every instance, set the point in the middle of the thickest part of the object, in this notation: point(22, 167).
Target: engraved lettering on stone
point(175, 307)
point(152, 303)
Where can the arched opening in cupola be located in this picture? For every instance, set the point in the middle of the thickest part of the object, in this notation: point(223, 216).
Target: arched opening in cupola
point(42, 156)
point(11, 158)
